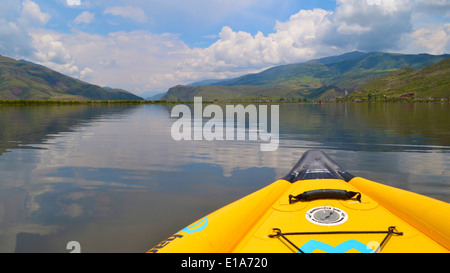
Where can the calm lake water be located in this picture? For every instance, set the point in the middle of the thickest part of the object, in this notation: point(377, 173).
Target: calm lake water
point(113, 179)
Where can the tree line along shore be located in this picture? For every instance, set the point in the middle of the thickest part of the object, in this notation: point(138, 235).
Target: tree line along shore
point(379, 99)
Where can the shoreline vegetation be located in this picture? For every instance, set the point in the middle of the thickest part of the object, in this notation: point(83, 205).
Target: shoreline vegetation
point(298, 101)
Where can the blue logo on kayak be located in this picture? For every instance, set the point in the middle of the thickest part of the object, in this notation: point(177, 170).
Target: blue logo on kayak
point(312, 245)
point(201, 225)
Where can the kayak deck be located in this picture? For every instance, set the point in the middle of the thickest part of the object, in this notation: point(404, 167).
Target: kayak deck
point(319, 207)
point(329, 225)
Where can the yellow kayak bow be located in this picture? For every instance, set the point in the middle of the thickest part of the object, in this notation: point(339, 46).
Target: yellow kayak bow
point(319, 207)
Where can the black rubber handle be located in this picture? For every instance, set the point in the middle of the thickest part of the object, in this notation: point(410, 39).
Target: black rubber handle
point(324, 194)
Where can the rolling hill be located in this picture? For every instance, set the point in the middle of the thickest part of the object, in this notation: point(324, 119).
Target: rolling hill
point(325, 79)
point(23, 80)
point(432, 81)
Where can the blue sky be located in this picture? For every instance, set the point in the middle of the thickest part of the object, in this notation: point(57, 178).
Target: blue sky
point(197, 22)
point(152, 45)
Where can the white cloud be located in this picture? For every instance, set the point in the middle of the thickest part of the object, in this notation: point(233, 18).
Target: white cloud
point(18, 20)
point(359, 25)
point(430, 40)
point(85, 17)
point(137, 61)
point(294, 40)
point(299, 36)
point(51, 52)
point(129, 12)
point(73, 2)
point(86, 74)
point(347, 29)
point(32, 14)
point(14, 41)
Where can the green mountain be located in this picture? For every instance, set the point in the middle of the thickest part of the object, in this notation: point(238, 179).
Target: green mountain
point(326, 78)
point(27, 81)
point(432, 81)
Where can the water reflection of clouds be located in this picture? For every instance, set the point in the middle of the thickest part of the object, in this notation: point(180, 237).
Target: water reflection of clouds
point(142, 142)
point(139, 142)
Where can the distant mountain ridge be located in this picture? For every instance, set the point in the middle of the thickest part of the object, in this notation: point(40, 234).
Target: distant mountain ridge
point(325, 78)
point(24, 80)
point(156, 97)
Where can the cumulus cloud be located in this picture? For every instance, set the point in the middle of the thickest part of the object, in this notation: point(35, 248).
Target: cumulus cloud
point(86, 74)
point(73, 2)
point(293, 40)
point(359, 25)
point(51, 52)
point(136, 61)
point(430, 40)
point(32, 15)
point(134, 13)
point(15, 40)
point(85, 17)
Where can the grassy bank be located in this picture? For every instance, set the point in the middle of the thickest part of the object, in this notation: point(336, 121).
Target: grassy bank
point(137, 102)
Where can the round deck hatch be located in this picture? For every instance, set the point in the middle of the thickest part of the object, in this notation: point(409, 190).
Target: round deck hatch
point(326, 216)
